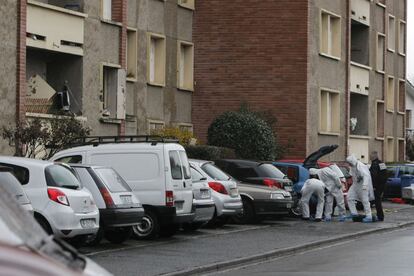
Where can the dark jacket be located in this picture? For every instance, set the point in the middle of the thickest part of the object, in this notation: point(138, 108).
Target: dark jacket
point(378, 175)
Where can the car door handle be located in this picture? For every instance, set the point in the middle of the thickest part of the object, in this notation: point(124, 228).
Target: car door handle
point(184, 184)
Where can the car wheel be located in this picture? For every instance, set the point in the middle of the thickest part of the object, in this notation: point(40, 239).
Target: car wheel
point(248, 215)
point(296, 211)
point(169, 230)
point(190, 227)
point(119, 235)
point(79, 241)
point(148, 228)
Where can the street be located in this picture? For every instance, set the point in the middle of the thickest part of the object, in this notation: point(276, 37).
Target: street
point(381, 254)
point(187, 252)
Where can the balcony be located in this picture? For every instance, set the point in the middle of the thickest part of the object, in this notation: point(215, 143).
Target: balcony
point(360, 78)
point(360, 11)
point(359, 147)
point(54, 28)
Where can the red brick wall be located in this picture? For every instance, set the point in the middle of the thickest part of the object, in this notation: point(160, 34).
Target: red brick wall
point(21, 61)
point(252, 51)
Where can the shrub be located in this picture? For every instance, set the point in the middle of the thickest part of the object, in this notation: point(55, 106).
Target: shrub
point(184, 137)
point(211, 153)
point(246, 132)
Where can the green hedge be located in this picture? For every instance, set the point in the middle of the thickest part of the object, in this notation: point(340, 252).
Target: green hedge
point(246, 132)
point(210, 153)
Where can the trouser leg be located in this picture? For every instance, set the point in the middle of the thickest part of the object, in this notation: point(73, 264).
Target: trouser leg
point(321, 202)
point(366, 203)
point(328, 205)
point(340, 203)
point(378, 205)
point(352, 206)
point(305, 203)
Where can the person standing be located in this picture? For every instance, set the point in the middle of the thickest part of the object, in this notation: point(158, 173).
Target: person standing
point(313, 186)
point(361, 189)
point(331, 177)
point(378, 172)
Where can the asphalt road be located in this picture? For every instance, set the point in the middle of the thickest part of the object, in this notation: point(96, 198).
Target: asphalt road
point(209, 246)
point(382, 254)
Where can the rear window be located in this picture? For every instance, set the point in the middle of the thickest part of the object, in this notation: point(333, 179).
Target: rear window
point(21, 173)
point(60, 176)
point(75, 159)
point(214, 172)
point(176, 172)
point(196, 176)
point(185, 164)
point(10, 182)
point(112, 180)
point(268, 170)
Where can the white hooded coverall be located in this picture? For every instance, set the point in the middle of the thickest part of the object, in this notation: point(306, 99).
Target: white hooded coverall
point(312, 186)
point(331, 178)
point(361, 189)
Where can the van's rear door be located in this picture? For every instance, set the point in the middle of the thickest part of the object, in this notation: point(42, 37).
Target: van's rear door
point(181, 181)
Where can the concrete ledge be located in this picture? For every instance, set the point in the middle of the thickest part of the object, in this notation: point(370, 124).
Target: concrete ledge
point(215, 267)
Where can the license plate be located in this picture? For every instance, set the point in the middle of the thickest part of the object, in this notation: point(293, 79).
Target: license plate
point(288, 206)
point(126, 199)
point(87, 223)
point(288, 188)
point(234, 192)
point(204, 194)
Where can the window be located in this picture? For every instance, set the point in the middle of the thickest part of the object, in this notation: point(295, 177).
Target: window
point(22, 174)
point(155, 126)
point(381, 2)
point(112, 180)
point(390, 94)
point(186, 127)
point(380, 119)
point(189, 4)
point(185, 165)
point(185, 77)
point(75, 159)
point(408, 118)
point(215, 172)
point(60, 176)
point(359, 116)
point(401, 154)
point(106, 6)
point(175, 164)
point(360, 41)
point(156, 59)
point(401, 37)
point(113, 92)
point(268, 170)
point(401, 96)
point(330, 34)
point(390, 149)
point(132, 58)
point(196, 176)
point(391, 33)
point(329, 112)
point(380, 52)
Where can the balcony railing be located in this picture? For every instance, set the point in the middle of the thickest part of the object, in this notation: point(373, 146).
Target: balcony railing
point(55, 29)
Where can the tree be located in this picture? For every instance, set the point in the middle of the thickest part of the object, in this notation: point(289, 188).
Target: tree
point(246, 132)
point(42, 139)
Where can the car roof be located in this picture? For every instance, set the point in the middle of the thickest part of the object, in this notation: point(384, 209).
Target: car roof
point(23, 161)
point(241, 163)
point(86, 166)
point(199, 162)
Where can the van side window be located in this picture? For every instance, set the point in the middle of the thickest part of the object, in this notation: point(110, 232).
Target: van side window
point(22, 174)
point(185, 165)
point(74, 159)
point(176, 172)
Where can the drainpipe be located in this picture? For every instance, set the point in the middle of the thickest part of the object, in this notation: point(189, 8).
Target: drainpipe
point(347, 75)
point(123, 49)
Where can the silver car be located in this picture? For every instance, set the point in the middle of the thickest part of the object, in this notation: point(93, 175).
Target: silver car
point(224, 191)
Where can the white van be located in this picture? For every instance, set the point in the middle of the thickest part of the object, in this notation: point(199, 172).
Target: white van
point(157, 171)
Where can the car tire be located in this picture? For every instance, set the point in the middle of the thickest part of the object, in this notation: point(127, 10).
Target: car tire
point(148, 228)
point(95, 240)
point(119, 235)
point(190, 227)
point(169, 230)
point(79, 241)
point(248, 215)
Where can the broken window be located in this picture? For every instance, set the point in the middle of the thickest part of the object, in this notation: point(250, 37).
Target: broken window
point(329, 112)
point(330, 29)
point(359, 43)
point(113, 92)
point(359, 114)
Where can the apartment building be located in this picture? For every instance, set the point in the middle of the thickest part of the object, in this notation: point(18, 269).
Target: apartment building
point(122, 66)
point(409, 108)
point(331, 71)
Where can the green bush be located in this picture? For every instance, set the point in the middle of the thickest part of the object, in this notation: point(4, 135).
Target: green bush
point(246, 132)
point(209, 152)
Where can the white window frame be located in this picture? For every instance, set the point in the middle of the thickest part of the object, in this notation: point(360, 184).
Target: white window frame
point(332, 127)
point(391, 33)
point(402, 47)
point(132, 54)
point(106, 10)
point(380, 68)
point(188, 4)
point(154, 122)
point(390, 105)
point(156, 59)
point(185, 75)
point(334, 46)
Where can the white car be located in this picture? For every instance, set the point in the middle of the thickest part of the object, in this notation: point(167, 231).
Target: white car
point(156, 169)
point(224, 191)
point(61, 205)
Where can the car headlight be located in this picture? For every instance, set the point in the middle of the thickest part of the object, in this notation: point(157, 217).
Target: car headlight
point(276, 196)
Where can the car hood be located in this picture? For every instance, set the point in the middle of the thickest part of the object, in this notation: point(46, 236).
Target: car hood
point(312, 159)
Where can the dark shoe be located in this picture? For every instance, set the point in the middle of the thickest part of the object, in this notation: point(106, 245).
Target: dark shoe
point(380, 219)
point(305, 219)
point(318, 220)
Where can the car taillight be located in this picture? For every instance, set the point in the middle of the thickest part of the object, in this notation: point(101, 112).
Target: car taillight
point(272, 183)
point(169, 198)
point(218, 187)
point(109, 202)
point(57, 196)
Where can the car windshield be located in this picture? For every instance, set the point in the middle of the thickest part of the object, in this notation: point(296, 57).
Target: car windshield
point(268, 170)
point(60, 176)
point(19, 228)
point(214, 172)
point(10, 182)
point(112, 180)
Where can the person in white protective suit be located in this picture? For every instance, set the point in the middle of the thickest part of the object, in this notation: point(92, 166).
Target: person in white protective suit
point(313, 186)
point(361, 189)
point(331, 177)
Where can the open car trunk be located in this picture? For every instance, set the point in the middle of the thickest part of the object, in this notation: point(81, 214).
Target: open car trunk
point(312, 159)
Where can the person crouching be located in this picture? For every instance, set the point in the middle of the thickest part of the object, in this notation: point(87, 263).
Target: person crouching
point(313, 186)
